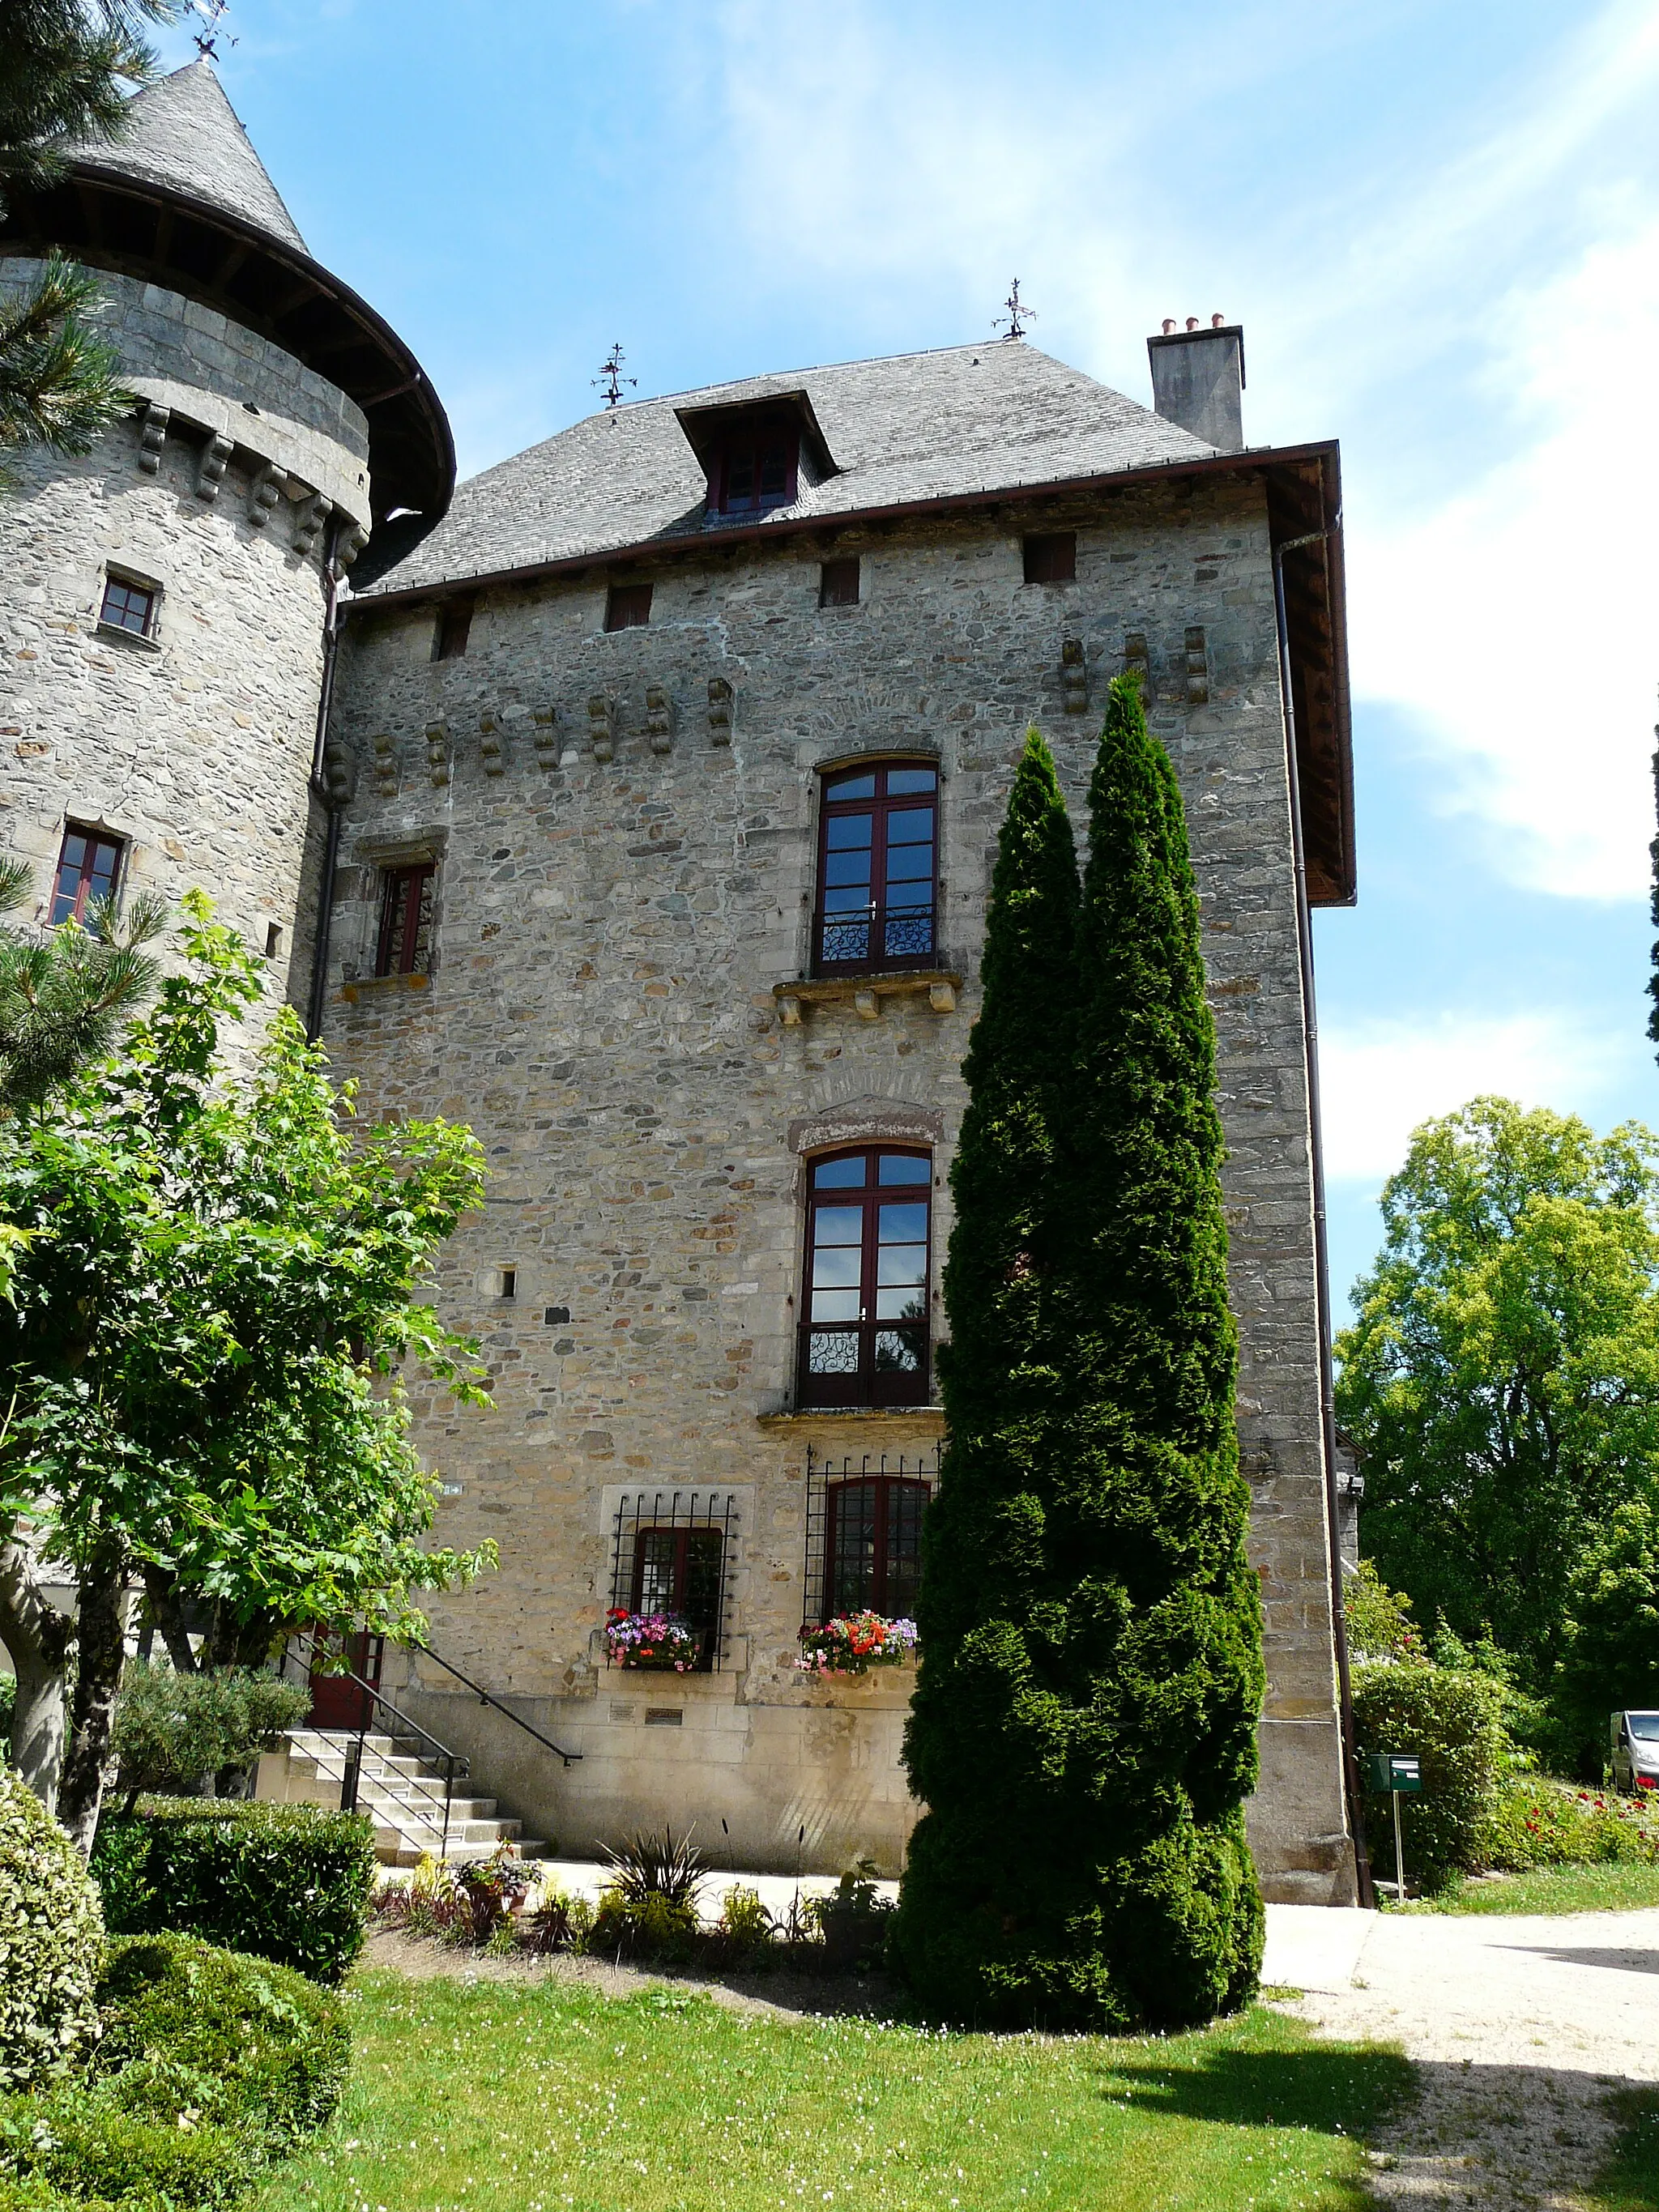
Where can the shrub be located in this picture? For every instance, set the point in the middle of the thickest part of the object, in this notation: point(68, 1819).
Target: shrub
point(1452, 1719)
point(855, 1918)
point(171, 1730)
point(745, 1922)
point(1540, 1823)
point(653, 1926)
point(652, 1864)
point(287, 1882)
point(52, 1944)
point(8, 1706)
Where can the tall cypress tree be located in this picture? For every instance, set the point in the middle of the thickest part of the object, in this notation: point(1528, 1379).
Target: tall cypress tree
point(1084, 1728)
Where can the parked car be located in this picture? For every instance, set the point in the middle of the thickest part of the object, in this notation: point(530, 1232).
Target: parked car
point(1636, 1751)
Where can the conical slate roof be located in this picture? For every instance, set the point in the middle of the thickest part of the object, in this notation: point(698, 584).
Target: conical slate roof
point(184, 133)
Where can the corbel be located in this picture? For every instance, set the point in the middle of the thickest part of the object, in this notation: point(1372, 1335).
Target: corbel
point(267, 489)
point(152, 436)
point(1073, 676)
point(720, 711)
point(216, 459)
point(547, 735)
point(1198, 667)
point(336, 773)
point(1136, 662)
point(437, 753)
point(350, 545)
point(792, 1010)
point(658, 719)
point(942, 997)
point(866, 1006)
point(385, 750)
point(313, 514)
point(491, 743)
point(602, 724)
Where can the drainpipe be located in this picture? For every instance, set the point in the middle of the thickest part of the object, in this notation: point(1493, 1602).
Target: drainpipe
point(320, 941)
point(1321, 1253)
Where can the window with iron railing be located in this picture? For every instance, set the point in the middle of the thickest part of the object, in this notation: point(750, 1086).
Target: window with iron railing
point(672, 1556)
point(864, 1520)
point(877, 870)
point(865, 1338)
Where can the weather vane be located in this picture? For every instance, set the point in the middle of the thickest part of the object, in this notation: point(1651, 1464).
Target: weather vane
point(207, 39)
point(611, 378)
point(1018, 316)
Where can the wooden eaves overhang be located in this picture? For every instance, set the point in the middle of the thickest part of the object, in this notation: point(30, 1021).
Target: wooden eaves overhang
point(141, 229)
point(1304, 488)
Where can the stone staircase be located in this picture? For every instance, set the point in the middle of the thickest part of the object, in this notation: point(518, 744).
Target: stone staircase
point(402, 1793)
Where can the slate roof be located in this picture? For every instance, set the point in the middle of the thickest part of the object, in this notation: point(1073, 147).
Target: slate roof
point(184, 133)
point(914, 427)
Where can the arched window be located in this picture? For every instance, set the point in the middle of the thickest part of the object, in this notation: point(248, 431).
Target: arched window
point(872, 1552)
point(864, 1337)
point(877, 869)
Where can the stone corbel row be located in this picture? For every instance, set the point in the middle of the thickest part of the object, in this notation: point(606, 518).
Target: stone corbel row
point(269, 487)
point(863, 995)
point(603, 713)
point(1190, 670)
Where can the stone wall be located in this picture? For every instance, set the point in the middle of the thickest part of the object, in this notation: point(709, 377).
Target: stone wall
point(612, 935)
point(194, 746)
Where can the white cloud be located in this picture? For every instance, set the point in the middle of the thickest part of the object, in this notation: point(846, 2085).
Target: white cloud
point(1378, 1080)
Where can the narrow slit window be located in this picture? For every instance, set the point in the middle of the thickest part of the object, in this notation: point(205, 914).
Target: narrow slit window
point(627, 606)
point(87, 876)
point(128, 606)
point(1051, 557)
point(838, 584)
point(407, 898)
point(454, 628)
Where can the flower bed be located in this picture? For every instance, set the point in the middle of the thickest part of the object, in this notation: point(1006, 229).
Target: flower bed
point(663, 1641)
point(1543, 1823)
point(853, 1643)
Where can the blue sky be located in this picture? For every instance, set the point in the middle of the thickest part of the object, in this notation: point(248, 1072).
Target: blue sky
point(1439, 226)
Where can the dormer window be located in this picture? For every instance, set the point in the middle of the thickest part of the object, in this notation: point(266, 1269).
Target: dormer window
point(757, 472)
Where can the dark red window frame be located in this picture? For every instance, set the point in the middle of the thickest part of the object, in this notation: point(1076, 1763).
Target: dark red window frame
point(872, 1556)
point(1051, 556)
point(838, 583)
point(897, 925)
point(128, 606)
point(692, 1562)
point(864, 1340)
point(627, 606)
point(756, 471)
point(88, 868)
point(407, 896)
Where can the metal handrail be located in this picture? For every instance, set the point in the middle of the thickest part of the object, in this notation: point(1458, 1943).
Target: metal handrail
point(488, 1697)
point(887, 937)
point(456, 1765)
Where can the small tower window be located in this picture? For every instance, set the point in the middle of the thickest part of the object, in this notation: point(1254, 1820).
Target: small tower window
point(1051, 557)
point(455, 626)
point(627, 606)
point(88, 871)
point(838, 584)
point(128, 606)
point(407, 897)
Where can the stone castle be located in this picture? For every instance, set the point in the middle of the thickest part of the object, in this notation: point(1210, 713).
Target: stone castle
point(635, 803)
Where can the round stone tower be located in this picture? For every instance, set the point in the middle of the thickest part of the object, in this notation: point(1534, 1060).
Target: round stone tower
point(165, 603)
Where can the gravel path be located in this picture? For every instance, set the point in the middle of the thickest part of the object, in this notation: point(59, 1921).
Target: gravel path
point(1518, 2028)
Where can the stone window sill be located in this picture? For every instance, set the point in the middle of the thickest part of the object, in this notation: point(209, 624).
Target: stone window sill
point(865, 993)
point(128, 637)
point(372, 986)
point(930, 1418)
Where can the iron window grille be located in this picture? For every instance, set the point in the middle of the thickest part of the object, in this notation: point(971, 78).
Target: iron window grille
point(408, 896)
point(877, 870)
point(128, 606)
point(864, 1535)
point(865, 1338)
point(673, 1551)
point(88, 871)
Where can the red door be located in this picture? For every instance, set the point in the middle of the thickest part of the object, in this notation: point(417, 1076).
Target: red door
point(337, 1702)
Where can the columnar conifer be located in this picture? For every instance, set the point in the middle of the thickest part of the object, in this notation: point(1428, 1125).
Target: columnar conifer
point(1084, 1728)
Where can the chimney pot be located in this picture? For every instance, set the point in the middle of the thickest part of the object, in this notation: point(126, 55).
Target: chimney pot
point(1216, 321)
point(1198, 381)
point(1192, 322)
point(1169, 324)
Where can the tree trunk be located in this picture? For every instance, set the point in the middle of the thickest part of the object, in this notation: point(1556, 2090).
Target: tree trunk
point(39, 1639)
point(161, 1595)
point(102, 1649)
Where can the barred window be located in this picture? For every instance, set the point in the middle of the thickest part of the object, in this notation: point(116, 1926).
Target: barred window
point(671, 1553)
point(865, 1338)
point(864, 1535)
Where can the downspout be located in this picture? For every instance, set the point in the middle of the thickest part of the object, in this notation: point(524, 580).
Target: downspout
point(321, 937)
point(1322, 1252)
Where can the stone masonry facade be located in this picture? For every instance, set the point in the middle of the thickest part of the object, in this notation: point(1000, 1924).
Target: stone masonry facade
point(610, 1007)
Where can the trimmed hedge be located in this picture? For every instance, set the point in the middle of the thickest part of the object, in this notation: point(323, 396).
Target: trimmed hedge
point(287, 1882)
point(211, 2065)
point(52, 1944)
point(1454, 1720)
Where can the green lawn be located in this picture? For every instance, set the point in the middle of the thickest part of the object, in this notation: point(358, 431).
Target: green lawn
point(536, 2098)
point(1630, 2183)
point(1611, 1888)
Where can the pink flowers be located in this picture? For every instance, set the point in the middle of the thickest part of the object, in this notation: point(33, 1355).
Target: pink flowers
point(658, 1641)
point(852, 1643)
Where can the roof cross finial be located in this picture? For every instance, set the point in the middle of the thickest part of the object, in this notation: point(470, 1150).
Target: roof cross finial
point(1018, 316)
point(207, 39)
point(611, 378)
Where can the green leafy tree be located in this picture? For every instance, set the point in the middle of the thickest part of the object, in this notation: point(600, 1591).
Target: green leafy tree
point(1095, 1649)
point(1610, 1654)
point(63, 65)
point(220, 1290)
point(1503, 1376)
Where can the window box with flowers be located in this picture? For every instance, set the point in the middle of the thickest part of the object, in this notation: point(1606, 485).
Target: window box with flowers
point(855, 1643)
point(664, 1642)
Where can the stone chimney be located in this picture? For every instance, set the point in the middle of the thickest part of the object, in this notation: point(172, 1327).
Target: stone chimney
point(1198, 377)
